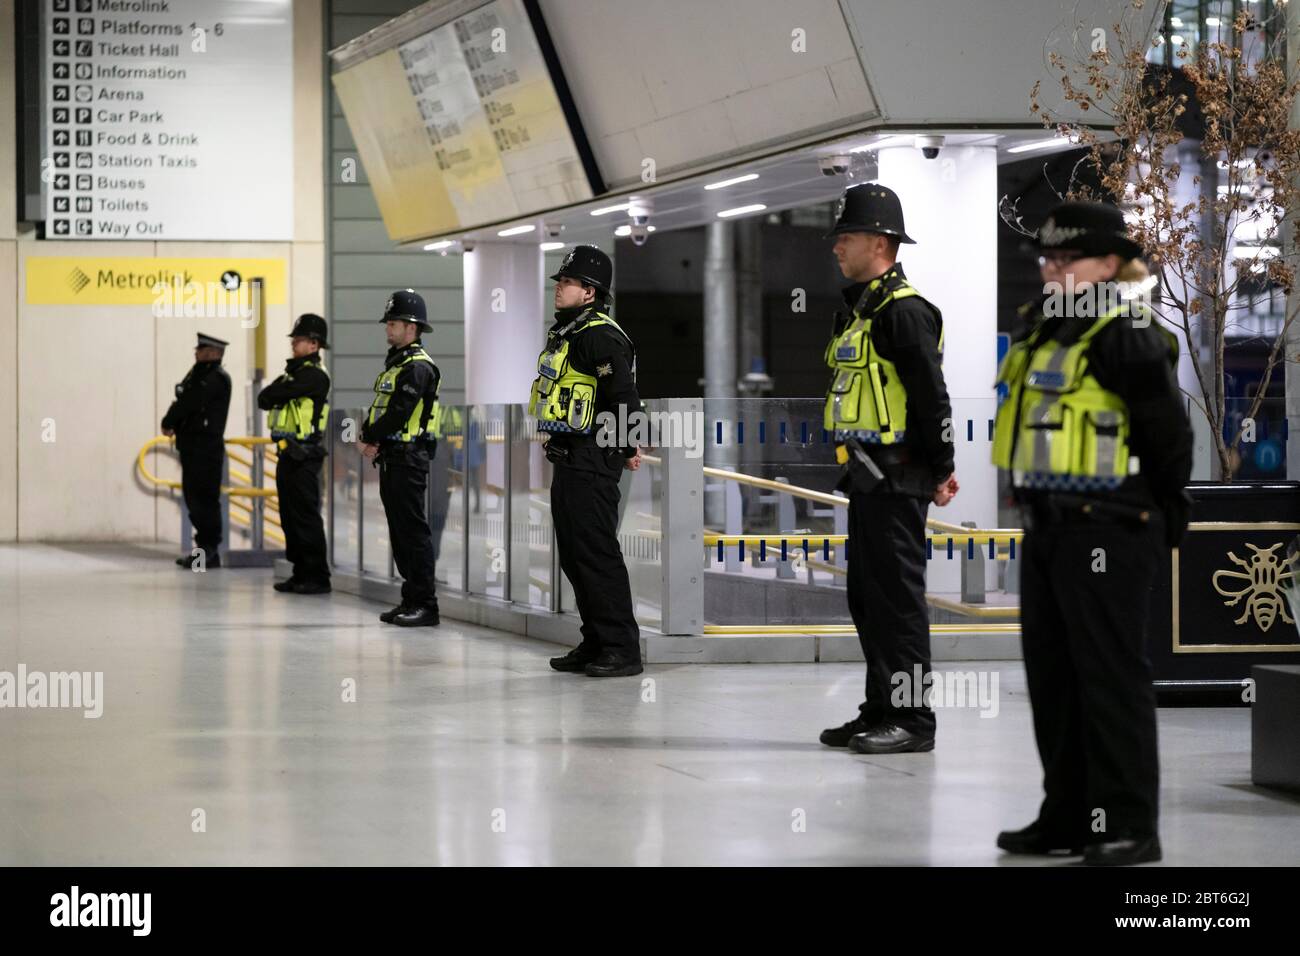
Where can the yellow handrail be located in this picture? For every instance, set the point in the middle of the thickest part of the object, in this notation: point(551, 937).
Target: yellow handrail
point(246, 441)
point(243, 522)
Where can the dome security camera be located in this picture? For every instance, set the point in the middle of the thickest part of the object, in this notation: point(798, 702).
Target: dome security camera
point(930, 146)
point(639, 211)
point(834, 165)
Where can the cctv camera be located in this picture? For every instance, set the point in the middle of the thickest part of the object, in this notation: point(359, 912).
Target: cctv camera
point(468, 245)
point(639, 210)
point(552, 229)
point(834, 165)
point(639, 233)
point(929, 145)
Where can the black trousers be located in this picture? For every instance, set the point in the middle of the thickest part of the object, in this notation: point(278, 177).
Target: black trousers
point(297, 480)
point(886, 585)
point(1084, 634)
point(201, 466)
point(584, 508)
point(403, 478)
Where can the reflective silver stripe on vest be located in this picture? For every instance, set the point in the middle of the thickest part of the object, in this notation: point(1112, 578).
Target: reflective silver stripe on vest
point(1107, 445)
point(1042, 457)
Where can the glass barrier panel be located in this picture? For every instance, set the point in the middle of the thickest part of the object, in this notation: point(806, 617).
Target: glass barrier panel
point(768, 443)
point(755, 448)
point(375, 550)
point(343, 469)
point(531, 531)
point(485, 450)
point(640, 527)
point(447, 501)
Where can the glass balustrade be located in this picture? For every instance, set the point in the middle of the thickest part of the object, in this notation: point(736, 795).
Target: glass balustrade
point(770, 548)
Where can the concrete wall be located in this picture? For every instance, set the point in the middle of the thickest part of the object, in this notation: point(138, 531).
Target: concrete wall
point(103, 375)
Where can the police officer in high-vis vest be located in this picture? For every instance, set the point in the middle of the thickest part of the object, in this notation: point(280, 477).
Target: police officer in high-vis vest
point(398, 435)
point(588, 368)
point(197, 419)
point(297, 407)
point(888, 412)
point(1096, 439)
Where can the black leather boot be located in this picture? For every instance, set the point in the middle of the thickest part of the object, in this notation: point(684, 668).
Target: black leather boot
point(841, 735)
point(392, 612)
point(1124, 852)
point(574, 661)
point(890, 739)
point(612, 665)
point(1033, 840)
point(418, 617)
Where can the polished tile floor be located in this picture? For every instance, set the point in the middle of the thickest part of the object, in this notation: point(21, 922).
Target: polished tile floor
point(226, 738)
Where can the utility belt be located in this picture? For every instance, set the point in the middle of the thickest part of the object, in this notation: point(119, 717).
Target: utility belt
point(392, 450)
point(1062, 510)
point(882, 469)
point(560, 450)
point(299, 449)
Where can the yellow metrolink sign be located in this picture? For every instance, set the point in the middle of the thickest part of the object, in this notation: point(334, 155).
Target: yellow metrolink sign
point(172, 284)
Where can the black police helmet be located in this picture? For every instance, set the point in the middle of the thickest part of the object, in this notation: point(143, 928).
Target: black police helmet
point(311, 326)
point(406, 305)
point(589, 266)
point(1091, 228)
point(870, 207)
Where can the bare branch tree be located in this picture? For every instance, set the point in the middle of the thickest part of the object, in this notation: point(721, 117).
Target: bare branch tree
point(1202, 249)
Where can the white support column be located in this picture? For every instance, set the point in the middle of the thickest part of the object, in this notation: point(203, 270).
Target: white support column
point(504, 322)
point(950, 208)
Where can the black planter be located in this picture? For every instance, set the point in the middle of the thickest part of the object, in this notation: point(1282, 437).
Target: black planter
point(1213, 617)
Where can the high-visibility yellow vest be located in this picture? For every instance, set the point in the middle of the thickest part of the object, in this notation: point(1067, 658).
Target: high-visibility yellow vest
point(1058, 429)
point(563, 399)
point(421, 420)
point(299, 417)
point(866, 399)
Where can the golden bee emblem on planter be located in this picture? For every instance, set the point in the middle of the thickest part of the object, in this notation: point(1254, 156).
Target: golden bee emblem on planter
point(1264, 577)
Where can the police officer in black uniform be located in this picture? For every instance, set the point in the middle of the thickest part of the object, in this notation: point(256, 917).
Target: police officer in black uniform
point(1094, 433)
point(197, 419)
point(398, 436)
point(586, 370)
point(297, 404)
point(888, 411)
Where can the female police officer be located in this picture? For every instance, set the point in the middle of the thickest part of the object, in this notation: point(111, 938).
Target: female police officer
point(1095, 436)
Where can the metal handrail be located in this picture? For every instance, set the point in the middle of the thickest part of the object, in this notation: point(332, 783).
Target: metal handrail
point(154, 442)
point(1001, 535)
point(831, 629)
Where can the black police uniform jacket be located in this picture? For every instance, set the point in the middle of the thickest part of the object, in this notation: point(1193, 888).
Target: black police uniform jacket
point(299, 380)
point(198, 415)
point(906, 332)
point(606, 353)
point(1137, 364)
point(415, 381)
